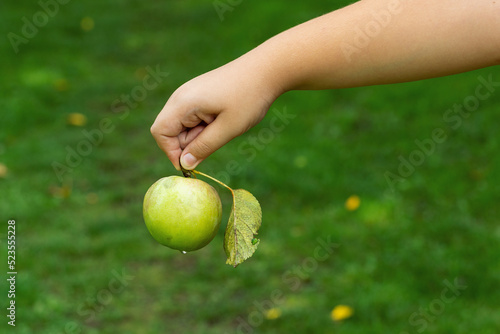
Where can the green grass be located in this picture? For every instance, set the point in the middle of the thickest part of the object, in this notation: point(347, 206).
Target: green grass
point(393, 254)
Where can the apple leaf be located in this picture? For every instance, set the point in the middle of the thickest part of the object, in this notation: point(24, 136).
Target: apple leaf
point(246, 217)
point(244, 222)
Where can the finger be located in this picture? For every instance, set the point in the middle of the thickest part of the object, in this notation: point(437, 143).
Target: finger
point(171, 147)
point(165, 130)
point(214, 136)
point(169, 128)
point(189, 135)
point(169, 131)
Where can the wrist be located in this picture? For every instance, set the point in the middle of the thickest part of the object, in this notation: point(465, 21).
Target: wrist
point(282, 63)
point(260, 68)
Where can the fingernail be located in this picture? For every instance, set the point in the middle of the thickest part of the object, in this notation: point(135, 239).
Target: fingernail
point(188, 161)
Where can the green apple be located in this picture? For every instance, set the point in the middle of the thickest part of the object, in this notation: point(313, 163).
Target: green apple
point(182, 213)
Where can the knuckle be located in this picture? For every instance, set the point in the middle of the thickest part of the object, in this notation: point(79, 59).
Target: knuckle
point(202, 149)
point(183, 95)
point(153, 130)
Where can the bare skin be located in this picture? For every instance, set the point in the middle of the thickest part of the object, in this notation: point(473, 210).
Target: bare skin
point(370, 42)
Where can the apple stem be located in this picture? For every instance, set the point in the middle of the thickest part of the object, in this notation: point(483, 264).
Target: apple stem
point(213, 179)
point(186, 172)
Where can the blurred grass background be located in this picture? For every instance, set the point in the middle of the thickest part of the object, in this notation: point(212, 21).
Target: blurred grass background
point(74, 238)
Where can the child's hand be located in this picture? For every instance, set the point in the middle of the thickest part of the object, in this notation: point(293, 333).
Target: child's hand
point(414, 40)
point(208, 111)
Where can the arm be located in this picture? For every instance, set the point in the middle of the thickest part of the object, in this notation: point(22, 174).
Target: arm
point(370, 42)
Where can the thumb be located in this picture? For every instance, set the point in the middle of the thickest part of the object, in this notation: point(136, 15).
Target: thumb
point(214, 136)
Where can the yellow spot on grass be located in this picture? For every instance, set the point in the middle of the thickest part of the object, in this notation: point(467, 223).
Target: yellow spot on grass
point(341, 312)
point(273, 313)
point(61, 85)
point(87, 23)
point(60, 192)
point(352, 203)
point(3, 170)
point(300, 161)
point(76, 119)
point(140, 73)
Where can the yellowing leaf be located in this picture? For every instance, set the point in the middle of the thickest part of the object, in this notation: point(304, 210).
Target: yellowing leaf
point(60, 192)
point(244, 222)
point(61, 85)
point(273, 313)
point(341, 312)
point(87, 23)
point(352, 203)
point(76, 119)
point(3, 170)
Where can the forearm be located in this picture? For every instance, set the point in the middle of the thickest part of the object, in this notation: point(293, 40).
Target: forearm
point(368, 43)
point(382, 41)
